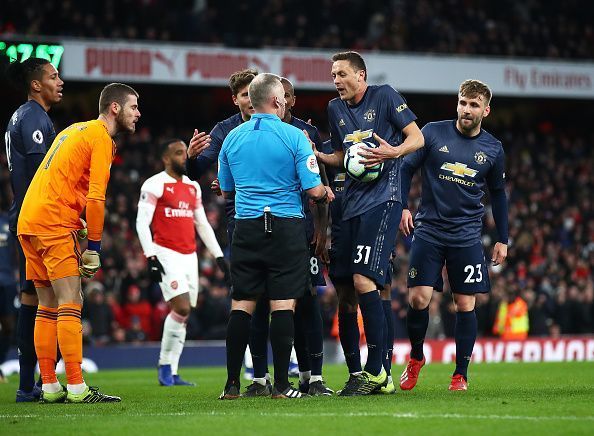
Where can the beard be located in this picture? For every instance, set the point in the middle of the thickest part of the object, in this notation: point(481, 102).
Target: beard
point(474, 122)
point(121, 123)
point(178, 168)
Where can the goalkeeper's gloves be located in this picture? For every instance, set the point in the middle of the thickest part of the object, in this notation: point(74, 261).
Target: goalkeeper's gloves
point(82, 233)
point(90, 263)
point(155, 269)
point(224, 267)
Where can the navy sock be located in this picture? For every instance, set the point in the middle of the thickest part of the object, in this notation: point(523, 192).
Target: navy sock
point(282, 331)
point(416, 324)
point(259, 337)
point(465, 335)
point(238, 333)
point(348, 332)
point(301, 349)
point(373, 321)
point(315, 336)
point(26, 347)
point(388, 335)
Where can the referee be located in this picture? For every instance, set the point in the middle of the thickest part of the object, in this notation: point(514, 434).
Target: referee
point(266, 164)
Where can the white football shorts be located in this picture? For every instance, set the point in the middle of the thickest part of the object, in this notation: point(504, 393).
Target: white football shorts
point(181, 274)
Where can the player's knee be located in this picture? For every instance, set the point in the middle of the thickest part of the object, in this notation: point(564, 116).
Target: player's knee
point(418, 300)
point(363, 284)
point(182, 311)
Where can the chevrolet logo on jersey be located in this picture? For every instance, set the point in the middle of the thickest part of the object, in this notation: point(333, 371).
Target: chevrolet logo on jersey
point(358, 136)
point(459, 169)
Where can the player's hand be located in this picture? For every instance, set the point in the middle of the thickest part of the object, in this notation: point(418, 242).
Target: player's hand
point(90, 264)
point(499, 253)
point(320, 250)
point(406, 222)
point(224, 267)
point(373, 156)
point(155, 269)
point(216, 187)
point(199, 142)
point(82, 233)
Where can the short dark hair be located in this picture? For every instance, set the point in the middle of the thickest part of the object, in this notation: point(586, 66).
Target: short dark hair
point(21, 74)
point(472, 88)
point(241, 79)
point(164, 147)
point(355, 60)
point(115, 92)
point(288, 82)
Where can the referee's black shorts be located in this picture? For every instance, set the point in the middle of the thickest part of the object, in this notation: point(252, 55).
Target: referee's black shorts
point(275, 264)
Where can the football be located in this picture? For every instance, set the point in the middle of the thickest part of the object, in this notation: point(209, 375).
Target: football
point(355, 169)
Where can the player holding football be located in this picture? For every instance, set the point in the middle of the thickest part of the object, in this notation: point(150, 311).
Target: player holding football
point(28, 136)
point(171, 206)
point(371, 211)
point(459, 160)
point(73, 175)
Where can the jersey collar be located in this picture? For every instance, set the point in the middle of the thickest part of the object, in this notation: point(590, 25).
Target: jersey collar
point(468, 138)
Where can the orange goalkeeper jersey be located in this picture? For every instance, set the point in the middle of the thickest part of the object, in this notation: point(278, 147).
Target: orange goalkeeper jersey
point(72, 176)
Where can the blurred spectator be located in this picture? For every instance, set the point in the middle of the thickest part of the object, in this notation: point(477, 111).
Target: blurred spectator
point(98, 313)
point(503, 28)
point(512, 321)
point(136, 315)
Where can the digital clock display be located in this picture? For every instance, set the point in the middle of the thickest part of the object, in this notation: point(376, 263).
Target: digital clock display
point(22, 50)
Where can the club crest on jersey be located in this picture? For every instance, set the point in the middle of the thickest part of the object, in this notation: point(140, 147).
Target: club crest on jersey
point(412, 273)
point(358, 136)
point(369, 115)
point(459, 169)
point(192, 192)
point(37, 137)
point(480, 157)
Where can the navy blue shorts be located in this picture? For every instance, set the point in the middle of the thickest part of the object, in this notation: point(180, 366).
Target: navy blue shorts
point(316, 273)
point(25, 285)
point(8, 296)
point(466, 267)
point(366, 242)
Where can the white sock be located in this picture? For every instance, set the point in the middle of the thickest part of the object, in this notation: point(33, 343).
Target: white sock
point(172, 343)
point(304, 376)
point(52, 388)
point(293, 358)
point(77, 389)
point(260, 380)
point(315, 378)
point(356, 373)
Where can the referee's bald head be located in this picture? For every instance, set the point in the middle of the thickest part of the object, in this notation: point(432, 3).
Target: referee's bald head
point(264, 89)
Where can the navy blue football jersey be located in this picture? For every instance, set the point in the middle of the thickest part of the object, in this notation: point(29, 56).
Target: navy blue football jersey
point(7, 252)
point(197, 167)
point(456, 171)
point(29, 132)
point(382, 111)
point(314, 135)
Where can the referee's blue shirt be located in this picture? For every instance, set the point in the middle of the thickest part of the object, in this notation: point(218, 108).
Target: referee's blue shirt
point(267, 163)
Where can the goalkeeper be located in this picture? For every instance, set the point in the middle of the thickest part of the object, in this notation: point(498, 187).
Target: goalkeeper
point(72, 176)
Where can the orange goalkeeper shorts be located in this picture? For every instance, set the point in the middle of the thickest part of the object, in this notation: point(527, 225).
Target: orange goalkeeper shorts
point(50, 257)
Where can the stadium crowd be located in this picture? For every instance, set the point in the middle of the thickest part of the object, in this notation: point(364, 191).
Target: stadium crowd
point(550, 263)
point(529, 29)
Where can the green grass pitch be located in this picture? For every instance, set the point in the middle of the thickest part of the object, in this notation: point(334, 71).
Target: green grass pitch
point(529, 398)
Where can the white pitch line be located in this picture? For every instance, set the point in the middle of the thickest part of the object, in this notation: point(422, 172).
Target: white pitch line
point(320, 415)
